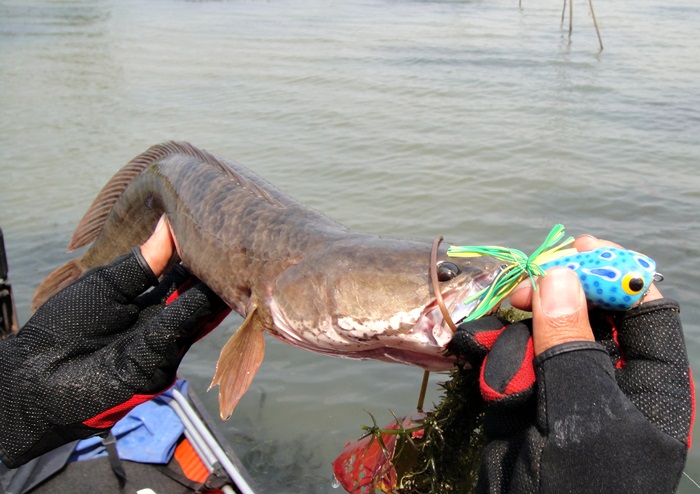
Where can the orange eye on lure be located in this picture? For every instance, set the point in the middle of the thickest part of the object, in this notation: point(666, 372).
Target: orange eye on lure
point(612, 278)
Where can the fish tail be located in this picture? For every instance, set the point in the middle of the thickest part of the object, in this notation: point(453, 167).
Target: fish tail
point(56, 281)
point(96, 218)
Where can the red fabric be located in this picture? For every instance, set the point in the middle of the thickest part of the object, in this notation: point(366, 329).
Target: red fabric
point(180, 290)
point(692, 402)
point(488, 338)
point(521, 380)
point(622, 361)
point(110, 417)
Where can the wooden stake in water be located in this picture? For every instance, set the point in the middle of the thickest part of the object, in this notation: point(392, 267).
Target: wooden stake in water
point(595, 23)
point(571, 19)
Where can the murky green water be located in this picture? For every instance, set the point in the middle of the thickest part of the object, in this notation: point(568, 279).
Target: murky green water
point(475, 120)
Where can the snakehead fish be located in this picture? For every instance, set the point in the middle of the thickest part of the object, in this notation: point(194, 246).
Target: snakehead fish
point(286, 269)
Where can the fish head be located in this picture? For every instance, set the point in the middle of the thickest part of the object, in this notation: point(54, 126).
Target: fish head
point(374, 299)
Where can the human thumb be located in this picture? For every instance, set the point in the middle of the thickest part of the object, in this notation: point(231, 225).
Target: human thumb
point(559, 310)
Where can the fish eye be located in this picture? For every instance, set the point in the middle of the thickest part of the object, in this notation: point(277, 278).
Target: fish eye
point(632, 283)
point(447, 271)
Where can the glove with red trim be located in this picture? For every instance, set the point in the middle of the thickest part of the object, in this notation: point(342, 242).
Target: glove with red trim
point(608, 416)
point(94, 351)
point(508, 376)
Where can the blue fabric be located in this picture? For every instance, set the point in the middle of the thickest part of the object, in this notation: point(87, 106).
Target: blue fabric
point(148, 434)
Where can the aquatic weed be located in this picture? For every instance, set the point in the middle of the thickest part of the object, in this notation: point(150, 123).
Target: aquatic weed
point(446, 459)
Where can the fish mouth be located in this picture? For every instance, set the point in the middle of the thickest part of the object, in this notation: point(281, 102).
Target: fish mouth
point(432, 323)
point(458, 310)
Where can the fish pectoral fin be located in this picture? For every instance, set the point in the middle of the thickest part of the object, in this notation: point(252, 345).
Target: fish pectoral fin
point(238, 362)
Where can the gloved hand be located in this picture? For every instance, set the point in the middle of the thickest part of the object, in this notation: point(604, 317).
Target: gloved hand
point(94, 351)
point(596, 420)
point(507, 377)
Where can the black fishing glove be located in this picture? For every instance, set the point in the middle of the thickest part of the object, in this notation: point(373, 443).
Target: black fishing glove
point(511, 377)
point(94, 351)
point(611, 416)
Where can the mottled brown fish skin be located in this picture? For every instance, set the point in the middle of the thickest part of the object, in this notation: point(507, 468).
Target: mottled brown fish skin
point(227, 234)
point(294, 272)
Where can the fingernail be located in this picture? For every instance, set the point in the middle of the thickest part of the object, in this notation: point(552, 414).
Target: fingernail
point(562, 294)
point(160, 223)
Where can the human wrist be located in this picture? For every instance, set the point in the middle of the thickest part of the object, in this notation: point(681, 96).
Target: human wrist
point(143, 263)
point(569, 346)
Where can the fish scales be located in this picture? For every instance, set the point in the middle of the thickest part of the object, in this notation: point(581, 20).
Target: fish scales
point(285, 268)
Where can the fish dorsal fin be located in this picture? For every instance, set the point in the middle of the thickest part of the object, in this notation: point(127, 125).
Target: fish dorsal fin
point(94, 219)
point(240, 180)
point(224, 168)
point(238, 362)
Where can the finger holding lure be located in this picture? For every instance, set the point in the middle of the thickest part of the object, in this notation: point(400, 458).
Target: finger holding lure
point(612, 278)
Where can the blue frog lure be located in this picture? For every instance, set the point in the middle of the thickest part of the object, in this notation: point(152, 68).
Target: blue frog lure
point(612, 278)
